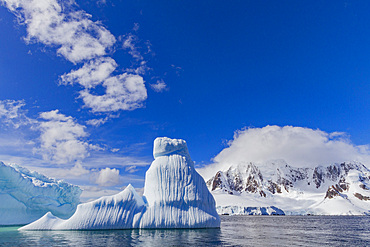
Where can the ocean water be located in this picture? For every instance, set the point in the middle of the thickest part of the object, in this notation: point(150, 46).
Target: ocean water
point(234, 231)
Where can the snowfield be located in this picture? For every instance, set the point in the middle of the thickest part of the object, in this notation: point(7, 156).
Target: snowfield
point(336, 189)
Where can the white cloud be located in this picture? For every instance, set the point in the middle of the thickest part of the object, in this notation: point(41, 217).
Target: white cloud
point(101, 2)
point(100, 160)
point(159, 86)
point(136, 27)
point(11, 113)
point(55, 145)
point(177, 69)
point(97, 122)
point(16, 148)
point(78, 170)
point(56, 23)
point(108, 177)
point(58, 138)
point(300, 147)
point(76, 37)
point(91, 74)
point(123, 92)
point(131, 169)
point(129, 43)
point(9, 108)
point(90, 192)
point(62, 139)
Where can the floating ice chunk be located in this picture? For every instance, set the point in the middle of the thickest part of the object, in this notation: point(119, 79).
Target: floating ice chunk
point(175, 196)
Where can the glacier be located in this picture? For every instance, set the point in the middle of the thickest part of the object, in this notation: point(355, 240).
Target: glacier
point(25, 196)
point(175, 196)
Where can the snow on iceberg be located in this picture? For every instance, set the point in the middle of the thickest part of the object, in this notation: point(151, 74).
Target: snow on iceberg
point(175, 196)
point(25, 196)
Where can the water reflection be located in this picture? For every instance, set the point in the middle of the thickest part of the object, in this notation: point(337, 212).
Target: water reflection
point(235, 231)
point(152, 238)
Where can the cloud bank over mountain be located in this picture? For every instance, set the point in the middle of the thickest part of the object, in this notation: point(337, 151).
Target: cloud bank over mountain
point(298, 146)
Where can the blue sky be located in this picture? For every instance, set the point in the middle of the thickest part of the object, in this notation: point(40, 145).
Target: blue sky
point(200, 71)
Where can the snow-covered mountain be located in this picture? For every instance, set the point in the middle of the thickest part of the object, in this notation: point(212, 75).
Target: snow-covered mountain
point(26, 196)
point(175, 196)
point(337, 189)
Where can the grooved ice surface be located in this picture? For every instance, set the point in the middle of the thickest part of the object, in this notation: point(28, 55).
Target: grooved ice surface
point(175, 196)
point(25, 196)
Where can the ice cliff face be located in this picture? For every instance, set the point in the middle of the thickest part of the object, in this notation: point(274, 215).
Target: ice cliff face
point(334, 189)
point(175, 196)
point(25, 196)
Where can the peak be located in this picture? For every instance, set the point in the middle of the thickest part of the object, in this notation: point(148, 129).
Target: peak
point(166, 146)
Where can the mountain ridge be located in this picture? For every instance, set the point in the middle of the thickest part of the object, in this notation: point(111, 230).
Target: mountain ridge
point(340, 188)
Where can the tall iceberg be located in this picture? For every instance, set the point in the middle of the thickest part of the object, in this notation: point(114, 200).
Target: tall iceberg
point(175, 196)
point(26, 196)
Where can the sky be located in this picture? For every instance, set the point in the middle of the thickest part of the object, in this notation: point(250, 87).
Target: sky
point(86, 86)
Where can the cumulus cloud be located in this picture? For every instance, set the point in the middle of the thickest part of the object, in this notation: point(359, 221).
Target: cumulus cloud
point(159, 86)
point(55, 137)
point(55, 23)
point(123, 92)
point(78, 171)
point(108, 177)
point(300, 147)
point(12, 113)
point(80, 40)
point(62, 138)
point(90, 74)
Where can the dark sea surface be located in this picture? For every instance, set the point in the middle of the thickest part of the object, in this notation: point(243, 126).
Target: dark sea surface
point(234, 231)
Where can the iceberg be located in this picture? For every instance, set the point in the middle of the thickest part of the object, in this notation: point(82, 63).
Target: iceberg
point(25, 196)
point(175, 196)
